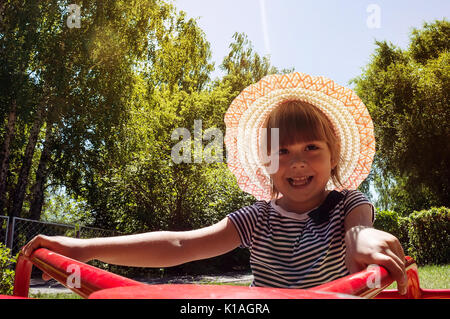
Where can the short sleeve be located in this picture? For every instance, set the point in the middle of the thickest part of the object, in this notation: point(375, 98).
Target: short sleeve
point(355, 198)
point(245, 220)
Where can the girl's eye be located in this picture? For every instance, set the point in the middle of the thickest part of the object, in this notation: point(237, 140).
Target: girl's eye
point(311, 147)
point(282, 151)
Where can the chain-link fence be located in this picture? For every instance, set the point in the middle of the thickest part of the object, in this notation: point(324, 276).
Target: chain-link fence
point(16, 232)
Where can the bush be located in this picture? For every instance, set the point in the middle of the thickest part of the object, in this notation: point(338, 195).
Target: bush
point(7, 263)
point(424, 235)
point(393, 223)
point(429, 236)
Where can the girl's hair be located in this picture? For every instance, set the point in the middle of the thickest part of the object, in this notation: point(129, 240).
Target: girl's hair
point(300, 122)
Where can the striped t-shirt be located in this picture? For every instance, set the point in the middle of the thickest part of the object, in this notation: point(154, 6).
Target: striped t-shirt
point(290, 250)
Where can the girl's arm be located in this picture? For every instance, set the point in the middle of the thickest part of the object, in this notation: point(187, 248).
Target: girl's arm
point(366, 246)
point(153, 249)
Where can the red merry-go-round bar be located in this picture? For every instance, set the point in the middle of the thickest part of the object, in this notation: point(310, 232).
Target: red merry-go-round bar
point(93, 283)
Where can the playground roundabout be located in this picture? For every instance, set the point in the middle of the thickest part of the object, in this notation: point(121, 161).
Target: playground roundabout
point(93, 283)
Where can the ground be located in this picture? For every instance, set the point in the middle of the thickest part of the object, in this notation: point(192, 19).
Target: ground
point(37, 285)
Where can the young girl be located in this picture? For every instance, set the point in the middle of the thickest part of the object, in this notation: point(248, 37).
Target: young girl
point(308, 226)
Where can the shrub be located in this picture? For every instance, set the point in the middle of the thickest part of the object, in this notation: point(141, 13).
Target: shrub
point(7, 263)
point(424, 235)
point(393, 223)
point(429, 236)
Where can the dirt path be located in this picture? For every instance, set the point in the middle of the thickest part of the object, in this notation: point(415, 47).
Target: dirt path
point(38, 285)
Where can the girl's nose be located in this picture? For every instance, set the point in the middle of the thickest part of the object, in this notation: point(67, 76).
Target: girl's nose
point(298, 162)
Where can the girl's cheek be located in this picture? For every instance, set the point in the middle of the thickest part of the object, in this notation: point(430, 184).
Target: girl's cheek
point(318, 156)
point(283, 160)
point(309, 157)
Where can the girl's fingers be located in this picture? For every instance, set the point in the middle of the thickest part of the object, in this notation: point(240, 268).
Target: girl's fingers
point(397, 249)
point(28, 247)
point(394, 266)
point(37, 242)
point(34, 244)
point(396, 252)
point(46, 277)
point(398, 260)
point(31, 246)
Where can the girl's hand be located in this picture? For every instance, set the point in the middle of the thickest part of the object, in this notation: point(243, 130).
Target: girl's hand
point(366, 246)
point(70, 247)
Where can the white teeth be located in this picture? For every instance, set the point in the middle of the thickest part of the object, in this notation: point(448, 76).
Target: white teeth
point(298, 181)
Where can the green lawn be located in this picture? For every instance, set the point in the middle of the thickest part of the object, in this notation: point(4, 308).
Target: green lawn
point(62, 295)
point(431, 277)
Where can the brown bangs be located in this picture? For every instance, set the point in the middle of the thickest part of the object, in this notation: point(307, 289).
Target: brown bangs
point(299, 122)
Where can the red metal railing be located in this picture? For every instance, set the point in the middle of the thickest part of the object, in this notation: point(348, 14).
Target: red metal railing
point(91, 282)
point(372, 282)
point(63, 269)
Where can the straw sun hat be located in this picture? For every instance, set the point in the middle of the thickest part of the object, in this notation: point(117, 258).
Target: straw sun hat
point(245, 117)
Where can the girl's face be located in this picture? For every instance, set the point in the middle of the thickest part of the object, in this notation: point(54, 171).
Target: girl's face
point(304, 171)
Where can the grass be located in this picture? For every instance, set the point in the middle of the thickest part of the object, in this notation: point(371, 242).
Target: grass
point(61, 295)
point(431, 277)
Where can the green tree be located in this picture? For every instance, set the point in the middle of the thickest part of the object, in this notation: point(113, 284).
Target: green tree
point(69, 87)
point(96, 109)
point(244, 66)
point(151, 191)
point(407, 94)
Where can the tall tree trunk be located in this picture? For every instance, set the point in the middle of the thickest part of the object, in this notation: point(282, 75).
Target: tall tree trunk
point(178, 220)
point(22, 182)
point(41, 176)
point(4, 155)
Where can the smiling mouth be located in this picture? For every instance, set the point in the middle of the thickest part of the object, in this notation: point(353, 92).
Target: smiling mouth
point(300, 181)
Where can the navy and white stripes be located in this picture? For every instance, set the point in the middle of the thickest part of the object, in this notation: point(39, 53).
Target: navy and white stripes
point(293, 251)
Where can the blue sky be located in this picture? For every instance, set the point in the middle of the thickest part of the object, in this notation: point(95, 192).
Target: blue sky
point(333, 38)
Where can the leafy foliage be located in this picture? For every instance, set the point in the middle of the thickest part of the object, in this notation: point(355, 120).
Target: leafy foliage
point(407, 94)
point(424, 234)
point(111, 93)
point(429, 233)
point(149, 191)
point(7, 263)
point(393, 223)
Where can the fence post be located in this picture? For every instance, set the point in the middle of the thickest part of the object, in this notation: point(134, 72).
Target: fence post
point(10, 233)
point(77, 231)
